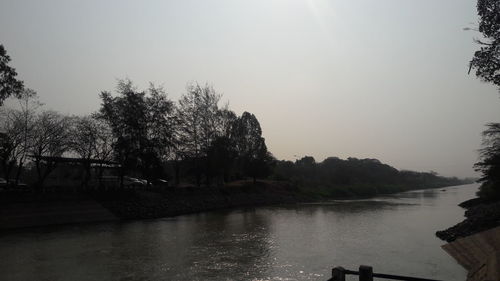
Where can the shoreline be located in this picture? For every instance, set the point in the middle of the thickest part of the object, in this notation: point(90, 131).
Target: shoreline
point(127, 205)
point(480, 215)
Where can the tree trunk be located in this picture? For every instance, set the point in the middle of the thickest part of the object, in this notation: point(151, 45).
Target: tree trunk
point(177, 168)
point(19, 170)
point(39, 174)
point(207, 172)
point(99, 176)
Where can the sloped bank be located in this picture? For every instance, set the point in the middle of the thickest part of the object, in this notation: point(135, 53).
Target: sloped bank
point(143, 204)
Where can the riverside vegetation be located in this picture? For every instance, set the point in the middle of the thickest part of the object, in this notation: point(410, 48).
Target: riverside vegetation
point(483, 212)
point(210, 157)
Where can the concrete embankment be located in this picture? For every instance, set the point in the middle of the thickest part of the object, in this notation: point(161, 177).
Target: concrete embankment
point(475, 242)
point(479, 254)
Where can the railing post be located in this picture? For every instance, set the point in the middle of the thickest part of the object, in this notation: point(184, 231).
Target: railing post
point(365, 273)
point(338, 274)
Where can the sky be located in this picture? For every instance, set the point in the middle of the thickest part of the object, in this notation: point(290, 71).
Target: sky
point(383, 79)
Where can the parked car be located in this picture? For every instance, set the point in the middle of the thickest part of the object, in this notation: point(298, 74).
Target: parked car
point(160, 182)
point(18, 185)
point(130, 181)
point(127, 181)
point(143, 181)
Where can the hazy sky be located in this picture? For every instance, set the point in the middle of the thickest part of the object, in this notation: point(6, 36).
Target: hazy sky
point(382, 79)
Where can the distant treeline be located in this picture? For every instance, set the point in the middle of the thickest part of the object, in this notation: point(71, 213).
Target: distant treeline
point(356, 177)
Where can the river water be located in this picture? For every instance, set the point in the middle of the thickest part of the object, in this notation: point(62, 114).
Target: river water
point(394, 234)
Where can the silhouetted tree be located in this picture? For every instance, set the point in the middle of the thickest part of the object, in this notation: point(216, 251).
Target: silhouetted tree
point(486, 62)
point(9, 85)
point(489, 165)
point(355, 177)
point(141, 123)
point(91, 140)
point(161, 128)
point(221, 156)
point(8, 157)
point(222, 153)
point(51, 139)
point(18, 127)
point(250, 146)
point(199, 118)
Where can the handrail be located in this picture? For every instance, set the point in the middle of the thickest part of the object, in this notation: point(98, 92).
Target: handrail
point(366, 273)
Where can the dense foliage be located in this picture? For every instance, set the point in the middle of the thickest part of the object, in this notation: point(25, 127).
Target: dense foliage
point(486, 62)
point(355, 177)
point(489, 165)
point(9, 85)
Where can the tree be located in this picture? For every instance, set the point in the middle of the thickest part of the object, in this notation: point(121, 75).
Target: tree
point(161, 128)
point(222, 153)
point(18, 128)
point(9, 85)
point(489, 164)
point(104, 150)
point(199, 120)
point(51, 139)
point(92, 140)
point(8, 157)
point(141, 124)
point(486, 62)
point(253, 156)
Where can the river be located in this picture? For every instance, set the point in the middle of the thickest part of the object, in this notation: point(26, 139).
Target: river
point(394, 234)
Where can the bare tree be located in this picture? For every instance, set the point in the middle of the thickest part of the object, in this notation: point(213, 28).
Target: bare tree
point(18, 129)
point(199, 119)
point(92, 140)
point(51, 134)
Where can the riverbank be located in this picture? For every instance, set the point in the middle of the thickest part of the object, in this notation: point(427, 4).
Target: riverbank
point(480, 215)
point(19, 210)
point(29, 209)
point(144, 204)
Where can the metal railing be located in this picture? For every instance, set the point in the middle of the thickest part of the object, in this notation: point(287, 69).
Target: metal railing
point(366, 273)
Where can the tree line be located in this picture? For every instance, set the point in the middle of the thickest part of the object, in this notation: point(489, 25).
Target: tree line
point(142, 131)
point(195, 140)
point(356, 177)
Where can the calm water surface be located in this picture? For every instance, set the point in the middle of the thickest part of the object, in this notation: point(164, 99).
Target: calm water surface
point(394, 234)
